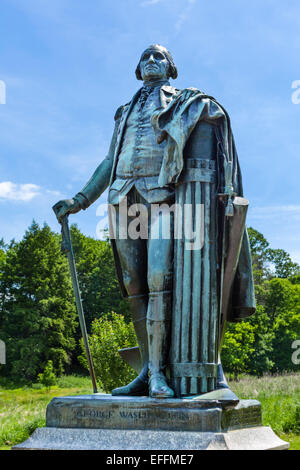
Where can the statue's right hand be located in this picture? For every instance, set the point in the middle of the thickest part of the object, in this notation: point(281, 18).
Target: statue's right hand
point(64, 207)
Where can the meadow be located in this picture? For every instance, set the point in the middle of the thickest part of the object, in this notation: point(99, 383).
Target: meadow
point(22, 410)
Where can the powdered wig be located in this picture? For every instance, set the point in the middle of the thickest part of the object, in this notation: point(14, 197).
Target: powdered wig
point(172, 70)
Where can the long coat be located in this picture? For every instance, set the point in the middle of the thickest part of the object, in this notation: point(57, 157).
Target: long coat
point(174, 122)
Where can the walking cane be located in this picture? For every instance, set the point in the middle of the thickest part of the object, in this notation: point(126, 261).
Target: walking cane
point(66, 248)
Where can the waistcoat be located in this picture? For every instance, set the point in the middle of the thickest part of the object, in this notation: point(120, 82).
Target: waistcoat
point(140, 154)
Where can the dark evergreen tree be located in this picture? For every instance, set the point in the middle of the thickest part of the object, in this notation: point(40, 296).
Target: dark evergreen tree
point(38, 317)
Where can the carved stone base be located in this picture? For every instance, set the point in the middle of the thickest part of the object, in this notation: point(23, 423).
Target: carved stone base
point(140, 423)
point(260, 438)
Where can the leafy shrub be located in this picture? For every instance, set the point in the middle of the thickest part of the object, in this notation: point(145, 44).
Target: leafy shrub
point(238, 345)
point(48, 378)
point(109, 334)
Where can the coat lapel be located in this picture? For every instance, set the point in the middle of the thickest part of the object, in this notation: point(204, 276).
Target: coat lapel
point(167, 93)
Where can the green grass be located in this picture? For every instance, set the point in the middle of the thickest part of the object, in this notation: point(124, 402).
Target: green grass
point(22, 409)
point(280, 401)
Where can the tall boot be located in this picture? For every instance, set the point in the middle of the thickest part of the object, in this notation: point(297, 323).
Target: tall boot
point(158, 327)
point(139, 386)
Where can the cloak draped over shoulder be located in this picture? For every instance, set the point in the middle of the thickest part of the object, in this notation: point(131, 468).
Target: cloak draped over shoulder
point(175, 123)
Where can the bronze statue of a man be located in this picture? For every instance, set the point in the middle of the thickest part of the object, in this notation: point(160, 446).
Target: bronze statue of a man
point(174, 148)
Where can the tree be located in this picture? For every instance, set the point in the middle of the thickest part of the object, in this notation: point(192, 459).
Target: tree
point(237, 348)
point(269, 262)
point(48, 377)
point(2, 264)
point(109, 334)
point(260, 262)
point(284, 267)
point(259, 360)
point(248, 345)
point(283, 308)
point(2, 252)
point(276, 324)
point(259, 252)
point(38, 312)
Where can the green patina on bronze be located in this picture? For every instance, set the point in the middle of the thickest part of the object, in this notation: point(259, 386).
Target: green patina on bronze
point(169, 146)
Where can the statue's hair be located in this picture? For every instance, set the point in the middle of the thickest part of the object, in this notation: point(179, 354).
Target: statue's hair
point(172, 70)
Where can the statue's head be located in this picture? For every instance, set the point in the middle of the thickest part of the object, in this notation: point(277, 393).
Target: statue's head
point(156, 63)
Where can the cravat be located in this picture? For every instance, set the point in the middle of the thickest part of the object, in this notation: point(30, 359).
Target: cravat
point(145, 92)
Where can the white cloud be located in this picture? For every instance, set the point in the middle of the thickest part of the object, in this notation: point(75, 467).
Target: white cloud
point(18, 192)
point(53, 193)
point(24, 192)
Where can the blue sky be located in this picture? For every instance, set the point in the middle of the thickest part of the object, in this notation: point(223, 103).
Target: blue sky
point(69, 64)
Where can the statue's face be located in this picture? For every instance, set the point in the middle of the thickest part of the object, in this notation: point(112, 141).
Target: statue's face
point(154, 65)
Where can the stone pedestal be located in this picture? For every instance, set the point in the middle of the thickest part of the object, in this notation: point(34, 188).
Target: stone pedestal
point(104, 422)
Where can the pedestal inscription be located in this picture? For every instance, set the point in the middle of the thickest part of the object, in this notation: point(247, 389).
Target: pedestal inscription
point(245, 415)
point(106, 412)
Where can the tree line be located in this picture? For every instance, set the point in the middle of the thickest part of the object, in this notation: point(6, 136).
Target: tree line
point(264, 342)
point(38, 320)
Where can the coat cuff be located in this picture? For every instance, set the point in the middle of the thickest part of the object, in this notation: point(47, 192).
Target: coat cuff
point(82, 200)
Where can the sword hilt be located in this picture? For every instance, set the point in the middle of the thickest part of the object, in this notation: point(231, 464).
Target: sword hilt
point(65, 233)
